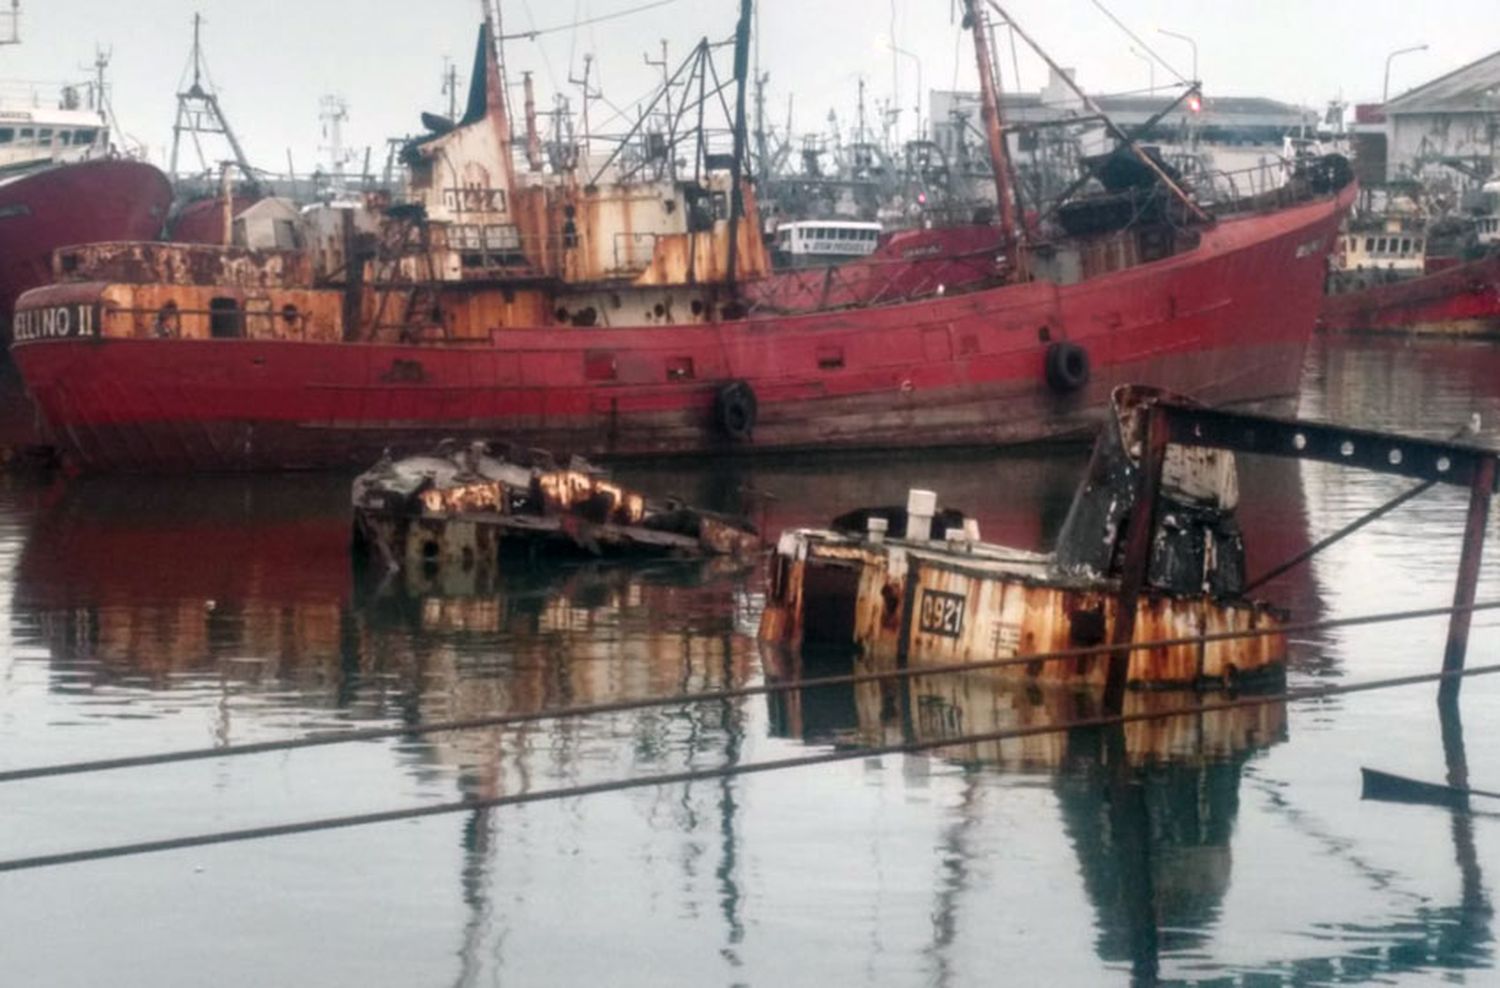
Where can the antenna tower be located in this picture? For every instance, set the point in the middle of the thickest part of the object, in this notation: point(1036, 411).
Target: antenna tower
point(199, 113)
point(333, 111)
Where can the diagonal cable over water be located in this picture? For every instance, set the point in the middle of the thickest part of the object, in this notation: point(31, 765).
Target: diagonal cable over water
point(722, 772)
point(740, 692)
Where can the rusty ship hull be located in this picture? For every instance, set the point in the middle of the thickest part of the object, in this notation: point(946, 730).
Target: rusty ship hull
point(1225, 322)
point(1458, 300)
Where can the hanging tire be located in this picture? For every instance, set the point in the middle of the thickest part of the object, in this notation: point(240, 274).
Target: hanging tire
point(1067, 367)
point(735, 408)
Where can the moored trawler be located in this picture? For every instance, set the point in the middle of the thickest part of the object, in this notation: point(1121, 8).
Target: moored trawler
point(1392, 281)
point(61, 182)
point(622, 309)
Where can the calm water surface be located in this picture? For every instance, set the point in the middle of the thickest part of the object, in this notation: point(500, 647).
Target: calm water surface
point(150, 615)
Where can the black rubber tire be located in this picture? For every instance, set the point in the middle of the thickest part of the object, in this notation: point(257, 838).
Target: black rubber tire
point(1067, 367)
point(735, 409)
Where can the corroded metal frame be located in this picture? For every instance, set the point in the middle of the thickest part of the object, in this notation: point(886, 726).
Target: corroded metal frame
point(1433, 461)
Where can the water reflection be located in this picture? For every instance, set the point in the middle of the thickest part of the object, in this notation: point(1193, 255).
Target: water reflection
point(1148, 807)
point(1163, 850)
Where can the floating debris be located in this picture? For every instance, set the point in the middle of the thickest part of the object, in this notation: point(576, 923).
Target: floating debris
point(455, 510)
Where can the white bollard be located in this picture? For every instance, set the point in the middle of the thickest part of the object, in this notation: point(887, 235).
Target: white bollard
point(920, 507)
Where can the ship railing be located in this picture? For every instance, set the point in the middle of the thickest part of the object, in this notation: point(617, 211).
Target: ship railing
point(1264, 186)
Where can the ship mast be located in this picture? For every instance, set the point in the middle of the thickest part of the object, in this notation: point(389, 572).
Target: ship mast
point(198, 112)
point(736, 195)
point(977, 22)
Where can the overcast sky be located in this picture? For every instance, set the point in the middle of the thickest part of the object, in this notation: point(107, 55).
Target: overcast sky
point(273, 59)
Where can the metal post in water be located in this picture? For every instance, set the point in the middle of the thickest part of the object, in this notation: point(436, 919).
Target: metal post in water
point(1480, 491)
point(1137, 555)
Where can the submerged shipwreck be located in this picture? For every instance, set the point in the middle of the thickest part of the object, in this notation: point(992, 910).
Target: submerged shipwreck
point(1147, 585)
point(456, 509)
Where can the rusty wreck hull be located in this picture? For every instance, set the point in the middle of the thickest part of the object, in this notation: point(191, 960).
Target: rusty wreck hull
point(909, 606)
point(1226, 323)
point(1462, 300)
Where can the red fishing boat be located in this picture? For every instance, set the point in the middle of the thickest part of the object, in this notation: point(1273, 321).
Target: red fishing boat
point(625, 307)
point(61, 182)
point(1442, 296)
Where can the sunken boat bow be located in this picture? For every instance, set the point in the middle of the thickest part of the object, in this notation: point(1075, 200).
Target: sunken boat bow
point(916, 585)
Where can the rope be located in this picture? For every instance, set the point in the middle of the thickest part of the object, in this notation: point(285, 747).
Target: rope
point(709, 696)
point(696, 775)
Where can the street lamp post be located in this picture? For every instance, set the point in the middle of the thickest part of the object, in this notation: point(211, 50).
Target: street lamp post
point(1183, 37)
point(1385, 92)
point(912, 55)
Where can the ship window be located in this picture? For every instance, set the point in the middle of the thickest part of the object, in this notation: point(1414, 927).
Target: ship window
point(84, 136)
point(7, 134)
point(1406, 245)
point(27, 133)
point(44, 136)
point(225, 321)
point(499, 237)
point(1369, 245)
point(65, 137)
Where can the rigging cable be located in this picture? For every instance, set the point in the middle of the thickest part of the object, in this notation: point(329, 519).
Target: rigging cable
point(582, 21)
point(732, 693)
point(721, 772)
point(1136, 38)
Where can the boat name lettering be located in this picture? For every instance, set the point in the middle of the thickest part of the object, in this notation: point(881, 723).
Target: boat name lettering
point(942, 613)
point(57, 322)
point(475, 199)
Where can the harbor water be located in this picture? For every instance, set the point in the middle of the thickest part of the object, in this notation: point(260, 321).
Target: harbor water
point(145, 615)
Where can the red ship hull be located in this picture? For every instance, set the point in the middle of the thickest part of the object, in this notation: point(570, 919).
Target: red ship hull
point(1226, 322)
point(1460, 300)
point(54, 207)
